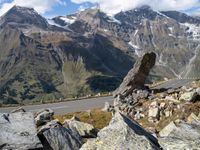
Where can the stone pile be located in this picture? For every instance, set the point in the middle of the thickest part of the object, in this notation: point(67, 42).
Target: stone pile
point(132, 94)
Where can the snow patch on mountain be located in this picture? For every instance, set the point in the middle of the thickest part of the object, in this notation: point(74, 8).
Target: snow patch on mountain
point(136, 31)
point(170, 29)
point(137, 49)
point(161, 14)
point(193, 30)
point(113, 19)
point(68, 20)
point(52, 22)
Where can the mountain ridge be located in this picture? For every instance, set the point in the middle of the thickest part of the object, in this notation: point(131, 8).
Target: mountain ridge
point(90, 52)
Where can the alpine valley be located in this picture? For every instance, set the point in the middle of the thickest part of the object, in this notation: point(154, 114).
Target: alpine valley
point(90, 52)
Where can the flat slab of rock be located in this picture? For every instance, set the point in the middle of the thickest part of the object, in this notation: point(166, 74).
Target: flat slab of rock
point(18, 131)
point(122, 134)
point(137, 76)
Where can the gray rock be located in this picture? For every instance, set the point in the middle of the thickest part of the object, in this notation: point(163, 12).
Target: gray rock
point(168, 129)
point(143, 94)
point(122, 133)
point(137, 76)
point(51, 124)
point(140, 94)
point(152, 97)
point(154, 112)
point(183, 136)
point(60, 138)
point(189, 96)
point(84, 129)
point(18, 131)
point(44, 116)
point(163, 95)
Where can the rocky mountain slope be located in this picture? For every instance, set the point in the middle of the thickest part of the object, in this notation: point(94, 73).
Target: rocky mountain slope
point(87, 52)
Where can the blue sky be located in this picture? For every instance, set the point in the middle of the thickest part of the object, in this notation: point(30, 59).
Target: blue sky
point(69, 8)
point(51, 8)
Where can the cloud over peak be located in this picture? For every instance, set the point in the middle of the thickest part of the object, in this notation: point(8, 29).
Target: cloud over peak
point(115, 6)
point(41, 6)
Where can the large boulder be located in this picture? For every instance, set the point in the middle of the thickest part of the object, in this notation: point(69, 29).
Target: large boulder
point(84, 129)
point(44, 116)
point(18, 131)
point(181, 136)
point(122, 133)
point(137, 76)
point(56, 137)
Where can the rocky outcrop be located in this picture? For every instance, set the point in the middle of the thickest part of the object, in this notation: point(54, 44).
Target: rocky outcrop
point(180, 136)
point(122, 133)
point(137, 76)
point(44, 116)
point(18, 131)
point(132, 91)
point(84, 129)
point(56, 137)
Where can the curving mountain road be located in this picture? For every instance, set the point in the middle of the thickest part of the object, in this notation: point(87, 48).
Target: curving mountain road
point(66, 107)
point(82, 105)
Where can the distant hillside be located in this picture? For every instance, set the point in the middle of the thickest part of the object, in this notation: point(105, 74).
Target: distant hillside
point(90, 52)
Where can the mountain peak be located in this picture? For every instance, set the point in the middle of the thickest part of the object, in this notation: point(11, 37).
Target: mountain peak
point(23, 15)
point(19, 9)
point(144, 7)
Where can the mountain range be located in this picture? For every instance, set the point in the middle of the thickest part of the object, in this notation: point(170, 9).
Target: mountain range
point(90, 52)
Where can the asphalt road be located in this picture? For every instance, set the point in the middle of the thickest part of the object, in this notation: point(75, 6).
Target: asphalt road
point(176, 83)
point(66, 107)
point(86, 104)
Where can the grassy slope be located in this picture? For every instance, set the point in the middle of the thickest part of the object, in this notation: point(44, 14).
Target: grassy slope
point(95, 117)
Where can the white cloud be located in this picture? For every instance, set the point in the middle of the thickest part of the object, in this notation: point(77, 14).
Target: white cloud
point(41, 6)
point(83, 7)
point(115, 6)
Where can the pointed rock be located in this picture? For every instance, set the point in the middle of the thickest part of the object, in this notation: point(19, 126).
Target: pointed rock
point(137, 76)
point(122, 133)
